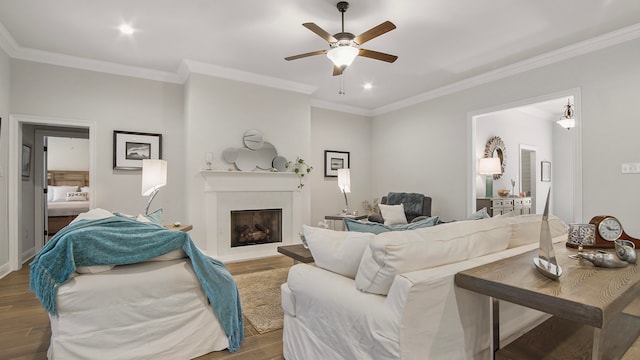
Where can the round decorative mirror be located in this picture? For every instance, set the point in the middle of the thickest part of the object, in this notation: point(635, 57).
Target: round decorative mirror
point(495, 148)
point(253, 139)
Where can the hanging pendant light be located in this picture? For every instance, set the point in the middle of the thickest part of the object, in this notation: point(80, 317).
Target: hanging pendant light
point(567, 120)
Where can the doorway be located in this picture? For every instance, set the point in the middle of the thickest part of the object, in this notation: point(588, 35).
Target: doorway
point(564, 148)
point(528, 173)
point(61, 158)
point(20, 227)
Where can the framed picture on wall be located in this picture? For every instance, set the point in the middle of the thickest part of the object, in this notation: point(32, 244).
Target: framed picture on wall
point(334, 160)
point(545, 171)
point(26, 161)
point(130, 148)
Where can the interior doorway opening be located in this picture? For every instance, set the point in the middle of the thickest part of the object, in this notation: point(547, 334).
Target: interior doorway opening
point(528, 173)
point(25, 227)
point(562, 151)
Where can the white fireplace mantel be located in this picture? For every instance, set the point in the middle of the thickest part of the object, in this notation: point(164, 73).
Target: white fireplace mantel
point(249, 190)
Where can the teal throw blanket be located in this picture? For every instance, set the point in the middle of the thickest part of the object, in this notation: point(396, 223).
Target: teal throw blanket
point(118, 241)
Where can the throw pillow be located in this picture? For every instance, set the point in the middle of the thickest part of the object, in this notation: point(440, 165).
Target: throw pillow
point(419, 218)
point(365, 226)
point(337, 251)
point(393, 214)
point(155, 217)
point(77, 196)
point(60, 192)
point(423, 223)
point(480, 214)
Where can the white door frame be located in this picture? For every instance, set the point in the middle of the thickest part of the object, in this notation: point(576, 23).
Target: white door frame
point(14, 176)
point(471, 146)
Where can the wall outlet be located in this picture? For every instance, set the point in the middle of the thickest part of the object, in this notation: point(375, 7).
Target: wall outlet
point(630, 168)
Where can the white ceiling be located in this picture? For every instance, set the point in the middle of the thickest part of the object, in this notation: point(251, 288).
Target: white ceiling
point(438, 42)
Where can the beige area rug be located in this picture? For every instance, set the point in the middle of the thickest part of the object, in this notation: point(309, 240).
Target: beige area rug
point(260, 298)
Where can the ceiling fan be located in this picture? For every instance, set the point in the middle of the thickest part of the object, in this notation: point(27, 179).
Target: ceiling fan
point(344, 46)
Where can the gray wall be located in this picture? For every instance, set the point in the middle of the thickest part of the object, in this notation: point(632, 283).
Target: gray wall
point(114, 103)
point(332, 130)
point(4, 150)
point(435, 132)
point(67, 153)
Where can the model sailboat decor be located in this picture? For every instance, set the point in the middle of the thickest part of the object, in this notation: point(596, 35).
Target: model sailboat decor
point(546, 261)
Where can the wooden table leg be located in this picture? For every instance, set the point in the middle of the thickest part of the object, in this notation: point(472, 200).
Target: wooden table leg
point(598, 345)
point(495, 317)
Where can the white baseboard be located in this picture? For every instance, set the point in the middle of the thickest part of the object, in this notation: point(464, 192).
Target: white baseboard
point(5, 270)
point(28, 254)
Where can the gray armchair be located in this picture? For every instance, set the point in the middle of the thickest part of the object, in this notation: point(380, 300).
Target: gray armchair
point(415, 205)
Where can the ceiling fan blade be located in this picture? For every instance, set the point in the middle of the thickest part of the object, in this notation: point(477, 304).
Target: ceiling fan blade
point(299, 56)
point(320, 32)
point(377, 55)
point(337, 70)
point(374, 32)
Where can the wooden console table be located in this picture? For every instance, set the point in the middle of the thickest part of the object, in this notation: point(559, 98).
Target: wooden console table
point(589, 305)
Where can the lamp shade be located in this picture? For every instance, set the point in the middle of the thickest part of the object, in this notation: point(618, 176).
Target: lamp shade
point(343, 55)
point(154, 175)
point(344, 180)
point(566, 123)
point(489, 166)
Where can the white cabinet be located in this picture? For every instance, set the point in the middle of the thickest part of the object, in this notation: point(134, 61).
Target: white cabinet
point(500, 205)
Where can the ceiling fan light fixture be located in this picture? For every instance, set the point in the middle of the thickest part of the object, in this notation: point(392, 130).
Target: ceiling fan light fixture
point(342, 56)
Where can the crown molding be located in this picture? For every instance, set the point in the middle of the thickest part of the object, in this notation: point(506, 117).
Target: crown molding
point(600, 42)
point(7, 42)
point(95, 65)
point(340, 107)
point(190, 66)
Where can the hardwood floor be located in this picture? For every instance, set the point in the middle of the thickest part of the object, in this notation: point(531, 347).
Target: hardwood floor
point(25, 331)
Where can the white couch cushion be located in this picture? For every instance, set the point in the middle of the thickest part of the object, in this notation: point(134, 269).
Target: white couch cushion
point(526, 229)
point(336, 251)
point(392, 253)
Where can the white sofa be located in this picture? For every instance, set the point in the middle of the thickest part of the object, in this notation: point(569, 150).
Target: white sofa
point(392, 295)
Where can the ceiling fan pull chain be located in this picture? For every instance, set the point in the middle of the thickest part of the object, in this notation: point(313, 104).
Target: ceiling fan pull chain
point(341, 89)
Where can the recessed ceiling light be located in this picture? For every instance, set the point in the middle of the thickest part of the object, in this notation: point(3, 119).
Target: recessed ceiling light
point(367, 86)
point(126, 29)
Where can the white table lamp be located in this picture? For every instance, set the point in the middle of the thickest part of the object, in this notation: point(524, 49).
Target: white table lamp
point(489, 167)
point(344, 183)
point(154, 176)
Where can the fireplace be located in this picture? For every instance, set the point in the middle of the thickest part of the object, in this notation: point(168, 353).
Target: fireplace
point(253, 227)
point(227, 191)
